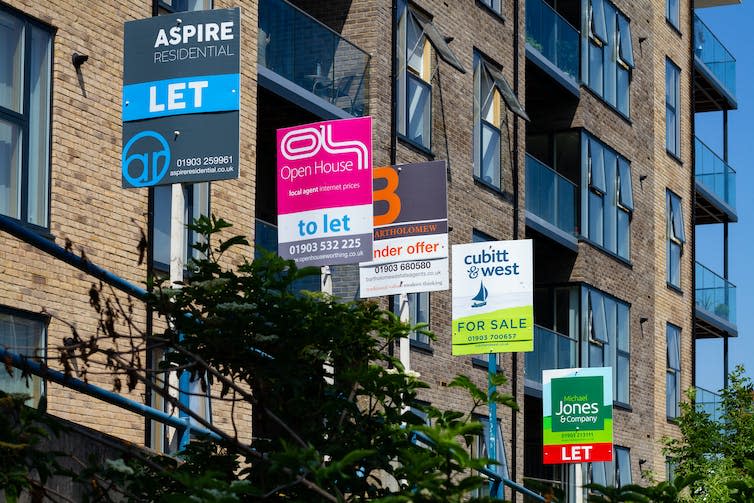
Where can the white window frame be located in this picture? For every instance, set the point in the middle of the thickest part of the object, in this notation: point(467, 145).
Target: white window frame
point(11, 322)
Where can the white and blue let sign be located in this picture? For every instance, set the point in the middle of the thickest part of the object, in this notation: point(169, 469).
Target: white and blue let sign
point(181, 98)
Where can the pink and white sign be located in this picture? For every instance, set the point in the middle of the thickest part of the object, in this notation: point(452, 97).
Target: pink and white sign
point(324, 192)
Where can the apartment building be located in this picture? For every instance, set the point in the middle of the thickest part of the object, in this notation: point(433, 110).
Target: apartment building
point(568, 122)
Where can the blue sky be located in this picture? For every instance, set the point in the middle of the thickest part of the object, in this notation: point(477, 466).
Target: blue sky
point(733, 27)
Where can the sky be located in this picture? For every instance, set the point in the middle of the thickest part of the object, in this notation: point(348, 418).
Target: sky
point(733, 27)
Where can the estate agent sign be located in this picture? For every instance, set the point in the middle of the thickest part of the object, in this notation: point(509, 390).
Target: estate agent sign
point(493, 297)
point(410, 231)
point(578, 415)
point(181, 96)
point(324, 192)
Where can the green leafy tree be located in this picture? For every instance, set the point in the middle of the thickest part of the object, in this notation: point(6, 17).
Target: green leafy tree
point(25, 463)
point(713, 453)
point(331, 406)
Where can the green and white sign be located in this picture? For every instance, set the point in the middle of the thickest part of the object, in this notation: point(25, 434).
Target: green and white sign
point(577, 407)
point(493, 297)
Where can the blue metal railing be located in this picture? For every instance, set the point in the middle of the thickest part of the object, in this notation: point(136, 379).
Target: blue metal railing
point(183, 425)
point(554, 37)
point(713, 54)
point(714, 173)
point(550, 195)
point(420, 439)
point(14, 228)
point(715, 294)
point(299, 48)
point(709, 402)
point(551, 351)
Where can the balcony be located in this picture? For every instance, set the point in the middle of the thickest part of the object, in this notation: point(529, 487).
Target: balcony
point(552, 43)
point(306, 62)
point(551, 351)
point(550, 203)
point(715, 77)
point(715, 304)
point(709, 402)
point(715, 187)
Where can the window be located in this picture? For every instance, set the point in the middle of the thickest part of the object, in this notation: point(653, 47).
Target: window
point(609, 337)
point(493, 5)
point(676, 238)
point(23, 334)
point(416, 36)
point(670, 469)
point(487, 119)
point(616, 473)
point(418, 312)
point(170, 6)
point(480, 449)
point(672, 114)
point(673, 377)
point(609, 58)
point(25, 75)
point(608, 195)
point(196, 197)
point(673, 12)
point(491, 90)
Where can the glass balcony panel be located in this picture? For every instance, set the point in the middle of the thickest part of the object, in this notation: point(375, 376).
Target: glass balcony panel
point(554, 37)
point(306, 52)
point(714, 294)
point(550, 195)
point(714, 173)
point(714, 55)
point(551, 351)
point(709, 402)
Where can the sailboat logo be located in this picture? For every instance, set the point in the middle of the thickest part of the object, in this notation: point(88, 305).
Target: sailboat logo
point(480, 299)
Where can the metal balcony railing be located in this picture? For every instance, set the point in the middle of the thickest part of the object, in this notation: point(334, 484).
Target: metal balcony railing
point(709, 402)
point(304, 51)
point(714, 173)
point(715, 294)
point(551, 351)
point(550, 195)
point(714, 55)
point(554, 37)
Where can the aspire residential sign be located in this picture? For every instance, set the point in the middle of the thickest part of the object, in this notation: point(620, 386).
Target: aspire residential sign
point(181, 97)
point(493, 292)
point(324, 192)
point(410, 231)
point(577, 409)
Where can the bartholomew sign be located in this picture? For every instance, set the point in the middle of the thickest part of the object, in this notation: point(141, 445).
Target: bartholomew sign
point(181, 96)
point(493, 297)
point(410, 231)
point(577, 415)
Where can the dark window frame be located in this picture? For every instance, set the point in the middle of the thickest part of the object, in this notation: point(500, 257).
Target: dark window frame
point(613, 347)
point(672, 70)
point(676, 237)
point(21, 120)
point(673, 371)
point(609, 196)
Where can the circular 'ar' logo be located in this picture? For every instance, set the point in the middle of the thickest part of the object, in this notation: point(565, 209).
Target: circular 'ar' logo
point(146, 159)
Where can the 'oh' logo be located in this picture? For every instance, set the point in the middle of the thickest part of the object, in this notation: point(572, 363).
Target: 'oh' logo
point(150, 160)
